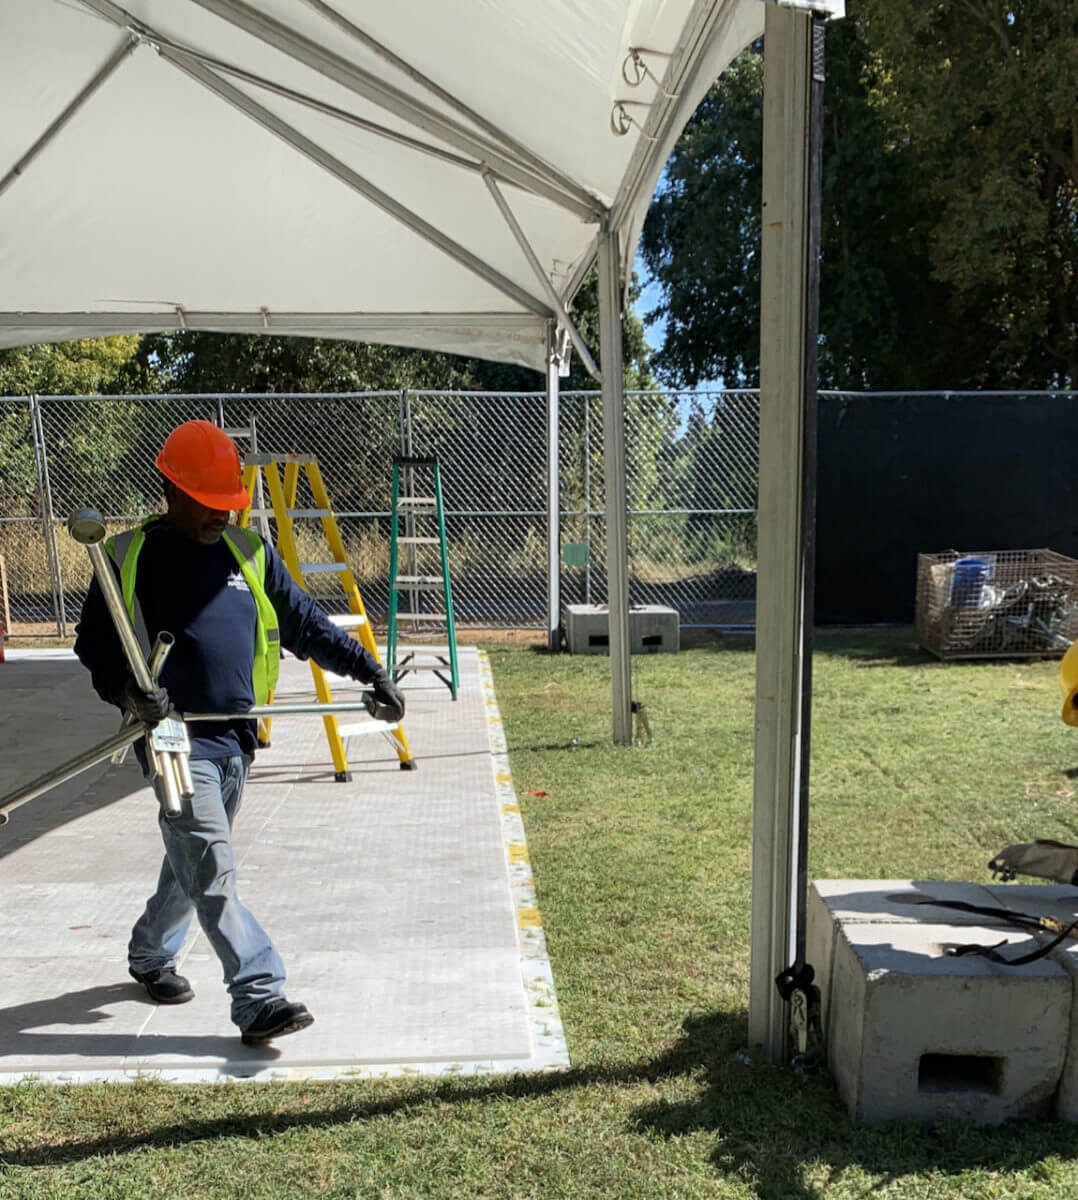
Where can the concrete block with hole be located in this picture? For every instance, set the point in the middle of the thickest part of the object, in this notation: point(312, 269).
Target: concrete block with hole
point(916, 1033)
point(653, 629)
point(1060, 902)
point(835, 902)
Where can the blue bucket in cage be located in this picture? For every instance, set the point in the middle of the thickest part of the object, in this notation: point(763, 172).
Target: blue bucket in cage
point(967, 587)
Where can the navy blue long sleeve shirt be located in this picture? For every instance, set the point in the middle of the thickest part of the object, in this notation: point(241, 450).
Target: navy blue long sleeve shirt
point(198, 593)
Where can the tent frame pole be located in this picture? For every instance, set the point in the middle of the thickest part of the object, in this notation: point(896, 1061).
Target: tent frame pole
point(393, 208)
point(617, 538)
point(515, 148)
point(333, 66)
point(537, 267)
point(783, 643)
point(111, 63)
point(553, 487)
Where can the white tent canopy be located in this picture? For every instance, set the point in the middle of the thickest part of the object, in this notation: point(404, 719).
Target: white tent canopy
point(330, 168)
point(431, 173)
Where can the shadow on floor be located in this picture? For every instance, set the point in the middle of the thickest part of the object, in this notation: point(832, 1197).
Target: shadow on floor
point(29, 1031)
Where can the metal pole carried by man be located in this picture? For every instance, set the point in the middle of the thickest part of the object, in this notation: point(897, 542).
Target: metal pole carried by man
point(230, 604)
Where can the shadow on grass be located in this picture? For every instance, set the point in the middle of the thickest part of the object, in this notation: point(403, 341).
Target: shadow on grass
point(769, 1123)
point(772, 1124)
point(892, 646)
point(572, 744)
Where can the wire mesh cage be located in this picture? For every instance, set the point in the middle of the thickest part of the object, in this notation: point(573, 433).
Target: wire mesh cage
point(996, 604)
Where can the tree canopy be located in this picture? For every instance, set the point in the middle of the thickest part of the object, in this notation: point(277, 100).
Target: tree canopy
point(985, 97)
point(950, 209)
point(68, 368)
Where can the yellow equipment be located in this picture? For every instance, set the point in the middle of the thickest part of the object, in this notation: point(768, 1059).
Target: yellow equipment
point(1068, 684)
point(283, 492)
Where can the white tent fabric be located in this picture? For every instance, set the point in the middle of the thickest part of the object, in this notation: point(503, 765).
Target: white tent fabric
point(336, 168)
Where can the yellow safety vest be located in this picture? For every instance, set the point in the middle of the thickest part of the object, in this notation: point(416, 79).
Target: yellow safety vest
point(250, 552)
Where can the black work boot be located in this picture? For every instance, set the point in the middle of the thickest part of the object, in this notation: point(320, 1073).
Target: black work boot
point(275, 1019)
point(164, 985)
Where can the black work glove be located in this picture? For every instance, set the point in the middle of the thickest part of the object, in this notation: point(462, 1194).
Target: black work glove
point(150, 707)
point(389, 699)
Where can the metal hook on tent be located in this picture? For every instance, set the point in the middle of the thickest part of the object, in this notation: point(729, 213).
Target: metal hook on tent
point(641, 71)
point(621, 120)
point(265, 317)
point(181, 316)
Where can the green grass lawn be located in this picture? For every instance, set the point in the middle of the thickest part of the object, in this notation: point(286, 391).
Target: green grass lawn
point(642, 860)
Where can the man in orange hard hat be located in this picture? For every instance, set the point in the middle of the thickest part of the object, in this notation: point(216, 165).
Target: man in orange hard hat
point(230, 603)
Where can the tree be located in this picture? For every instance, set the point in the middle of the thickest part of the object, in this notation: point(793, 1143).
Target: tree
point(985, 96)
point(949, 252)
point(79, 368)
point(701, 240)
point(701, 237)
point(89, 450)
point(223, 362)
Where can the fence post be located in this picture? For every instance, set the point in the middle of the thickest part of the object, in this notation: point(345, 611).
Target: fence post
point(587, 495)
point(553, 474)
point(406, 423)
point(48, 517)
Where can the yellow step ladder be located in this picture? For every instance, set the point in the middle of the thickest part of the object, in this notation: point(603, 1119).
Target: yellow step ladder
point(265, 469)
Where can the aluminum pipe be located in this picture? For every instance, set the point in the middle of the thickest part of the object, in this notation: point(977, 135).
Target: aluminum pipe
point(69, 769)
point(284, 710)
point(88, 527)
point(162, 646)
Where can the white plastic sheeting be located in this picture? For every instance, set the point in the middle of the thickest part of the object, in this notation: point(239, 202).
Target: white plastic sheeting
point(317, 167)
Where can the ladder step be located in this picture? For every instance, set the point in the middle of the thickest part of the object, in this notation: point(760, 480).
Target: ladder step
point(348, 620)
point(309, 513)
point(260, 512)
point(422, 666)
point(323, 568)
point(416, 499)
point(265, 460)
point(417, 580)
point(240, 431)
point(407, 616)
point(419, 541)
point(347, 731)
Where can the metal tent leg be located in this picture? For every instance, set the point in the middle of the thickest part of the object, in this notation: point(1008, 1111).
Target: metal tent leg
point(783, 607)
point(617, 538)
point(553, 534)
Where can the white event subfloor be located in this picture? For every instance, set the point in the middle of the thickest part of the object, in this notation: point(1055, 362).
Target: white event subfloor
point(401, 901)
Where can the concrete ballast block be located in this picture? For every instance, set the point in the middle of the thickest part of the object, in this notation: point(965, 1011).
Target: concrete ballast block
point(917, 1033)
point(833, 903)
point(1061, 902)
point(653, 629)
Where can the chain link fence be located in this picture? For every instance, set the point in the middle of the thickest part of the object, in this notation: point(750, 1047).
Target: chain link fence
point(691, 475)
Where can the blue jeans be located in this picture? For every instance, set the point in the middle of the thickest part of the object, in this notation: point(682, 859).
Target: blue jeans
point(198, 878)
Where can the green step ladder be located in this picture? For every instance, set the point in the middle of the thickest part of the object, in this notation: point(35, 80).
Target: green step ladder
point(425, 588)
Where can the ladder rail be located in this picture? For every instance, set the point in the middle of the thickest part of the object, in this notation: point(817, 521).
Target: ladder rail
point(284, 492)
point(447, 585)
point(416, 581)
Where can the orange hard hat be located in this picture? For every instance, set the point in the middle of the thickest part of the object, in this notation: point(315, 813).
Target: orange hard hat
point(203, 461)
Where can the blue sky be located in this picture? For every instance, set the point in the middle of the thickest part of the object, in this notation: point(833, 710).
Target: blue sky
point(649, 298)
